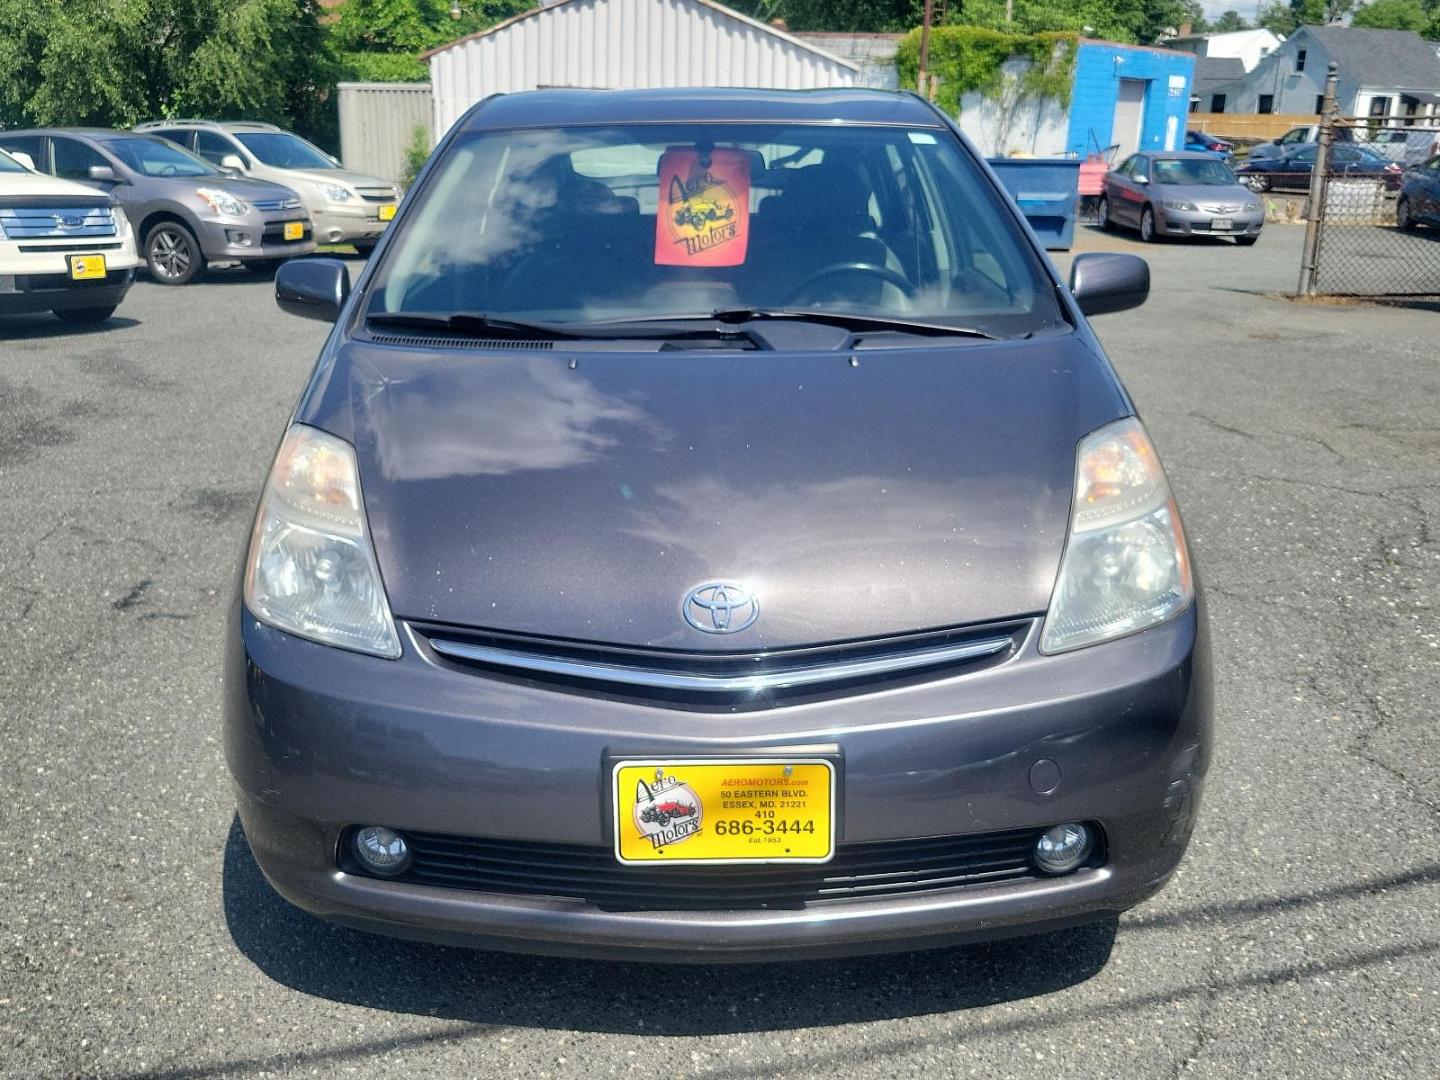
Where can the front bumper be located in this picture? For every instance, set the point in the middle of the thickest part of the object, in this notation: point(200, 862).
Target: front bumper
point(343, 224)
point(255, 236)
point(318, 739)
point(1200, 223)
point(24, 293)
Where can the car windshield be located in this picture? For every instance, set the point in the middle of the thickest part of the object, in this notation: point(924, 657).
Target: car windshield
point(9, 164)
point(1191, 171)
point(592, 224)
point(281, 150)
point(151, 156)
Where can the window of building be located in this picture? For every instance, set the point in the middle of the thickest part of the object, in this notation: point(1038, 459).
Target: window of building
point(1380, 107)
point(1266, 104)
point(1299, 61)
point(1217, 102)
point(1408, 105)
point(1319, 104)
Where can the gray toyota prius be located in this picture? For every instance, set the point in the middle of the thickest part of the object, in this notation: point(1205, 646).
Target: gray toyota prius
point(713, 532)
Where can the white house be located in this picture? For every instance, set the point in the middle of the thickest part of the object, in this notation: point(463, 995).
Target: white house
point(1247, 46)
point(615, 44)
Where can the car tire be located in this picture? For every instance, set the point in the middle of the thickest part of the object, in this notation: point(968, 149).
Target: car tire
point(1404, 220)
point(1147, 225)
point(173, 254)
point(1102, 214)
point(1257, 182)
point(85, 316)
point(1246, 241)
point(364, 248)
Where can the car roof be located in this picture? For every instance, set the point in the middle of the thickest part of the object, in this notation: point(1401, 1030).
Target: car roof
point(223, 125)
point(569, 108)
point(83, 132)
point(1181, 155)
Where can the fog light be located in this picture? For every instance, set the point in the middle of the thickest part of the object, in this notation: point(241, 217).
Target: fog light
point(236, 238)
point(1063, 848)
point(382, 851)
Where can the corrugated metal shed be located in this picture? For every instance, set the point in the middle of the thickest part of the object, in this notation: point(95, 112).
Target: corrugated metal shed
point(377, 122)
point(612, 44)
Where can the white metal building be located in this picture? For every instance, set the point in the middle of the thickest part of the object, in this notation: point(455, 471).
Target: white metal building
point(611, 44)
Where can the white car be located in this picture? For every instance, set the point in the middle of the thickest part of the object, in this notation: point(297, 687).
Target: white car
point(64, 247)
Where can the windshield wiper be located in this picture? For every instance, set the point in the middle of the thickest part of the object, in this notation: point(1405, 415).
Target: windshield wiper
point(478, 325)
point(845, 320)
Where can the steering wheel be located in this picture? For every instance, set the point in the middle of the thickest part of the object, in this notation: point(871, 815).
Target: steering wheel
point(884, 273)
point(167, 170)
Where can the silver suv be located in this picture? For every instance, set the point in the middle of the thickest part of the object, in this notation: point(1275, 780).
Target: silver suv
point(346, 207)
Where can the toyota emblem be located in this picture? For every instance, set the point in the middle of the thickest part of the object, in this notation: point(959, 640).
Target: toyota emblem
point(720, 607)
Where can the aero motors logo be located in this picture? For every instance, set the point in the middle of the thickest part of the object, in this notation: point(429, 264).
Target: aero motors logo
point(667, 811)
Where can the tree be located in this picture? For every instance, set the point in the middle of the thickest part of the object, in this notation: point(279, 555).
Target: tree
point(1228, 22)
point(1392, 15)
point(114, 63)
point(383, 39)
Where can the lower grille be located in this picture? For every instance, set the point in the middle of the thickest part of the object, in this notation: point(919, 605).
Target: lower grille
point(858, 871)
point(378, 195)
point(275, 233)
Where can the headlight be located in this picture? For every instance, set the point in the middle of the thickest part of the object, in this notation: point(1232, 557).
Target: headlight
point(1125, 565)
point(222, 202)
point(311, 568)
point(1177, 204)
point(334, 192)
point(1252, 206)
point(122, 223)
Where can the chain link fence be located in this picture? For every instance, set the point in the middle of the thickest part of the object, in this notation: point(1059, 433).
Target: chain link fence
point(1375, 212)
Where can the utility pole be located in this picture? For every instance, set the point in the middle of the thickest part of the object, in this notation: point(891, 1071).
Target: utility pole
point(1315, 205)
point(923, 77)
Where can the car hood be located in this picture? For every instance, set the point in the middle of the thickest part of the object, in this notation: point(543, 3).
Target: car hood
point(343, 176)
point(1208, 194)
point(516, 491)
point(242, 187)
point(28, 184)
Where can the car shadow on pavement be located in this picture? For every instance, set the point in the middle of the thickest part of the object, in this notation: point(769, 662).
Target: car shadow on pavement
point(500, 989)
point(45, 325)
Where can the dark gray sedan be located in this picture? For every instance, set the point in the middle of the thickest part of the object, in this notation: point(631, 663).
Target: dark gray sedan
point(1180, 194)
point(712, 532)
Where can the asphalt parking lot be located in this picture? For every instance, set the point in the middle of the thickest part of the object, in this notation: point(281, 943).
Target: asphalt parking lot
point(1301, 937)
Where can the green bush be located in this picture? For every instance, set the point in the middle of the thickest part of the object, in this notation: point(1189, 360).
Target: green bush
point(967, 58)
point(416, 154)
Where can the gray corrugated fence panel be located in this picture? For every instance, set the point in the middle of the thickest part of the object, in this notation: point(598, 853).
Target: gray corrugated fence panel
point(377, 121)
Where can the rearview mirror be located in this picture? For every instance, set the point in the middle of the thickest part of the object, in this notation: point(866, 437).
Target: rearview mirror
point(103, 173)
point(233, 163)
point(312, 288)
point(1102, 283)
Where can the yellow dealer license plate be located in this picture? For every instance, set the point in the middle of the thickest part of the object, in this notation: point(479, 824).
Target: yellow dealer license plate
point(725, 810)
point(87, 267)
point(294, 230)
point(386, 213)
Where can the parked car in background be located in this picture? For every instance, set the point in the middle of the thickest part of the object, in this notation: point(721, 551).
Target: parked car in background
point(1307, 133)
point(1408, 146)
point(467, 699)
point(1291, 172)
point(345, 207)
point(1204, 143)
point(1419, 199)
point(1180, 193)
point(64, 248)
point(186, 213)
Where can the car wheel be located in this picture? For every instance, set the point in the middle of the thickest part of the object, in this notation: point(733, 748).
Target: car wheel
point(85, 316)
point(1102, 213)
point(365, 247)
point(1147, 225)
point(1403, 218)
point(1257, 182)
point(173, 254)
point(1246, 241)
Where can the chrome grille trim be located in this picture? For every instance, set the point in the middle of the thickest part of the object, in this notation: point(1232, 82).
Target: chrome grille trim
point(656, 679)
point(276, 204)
point(50, 222)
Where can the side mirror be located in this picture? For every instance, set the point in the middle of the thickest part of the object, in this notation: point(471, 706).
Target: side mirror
point(312, 288)
point(233, 163)
point(103, 173)
point(1102, 283)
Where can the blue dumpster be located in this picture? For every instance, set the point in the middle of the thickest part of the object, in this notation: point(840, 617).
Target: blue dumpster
point(1047, 190)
